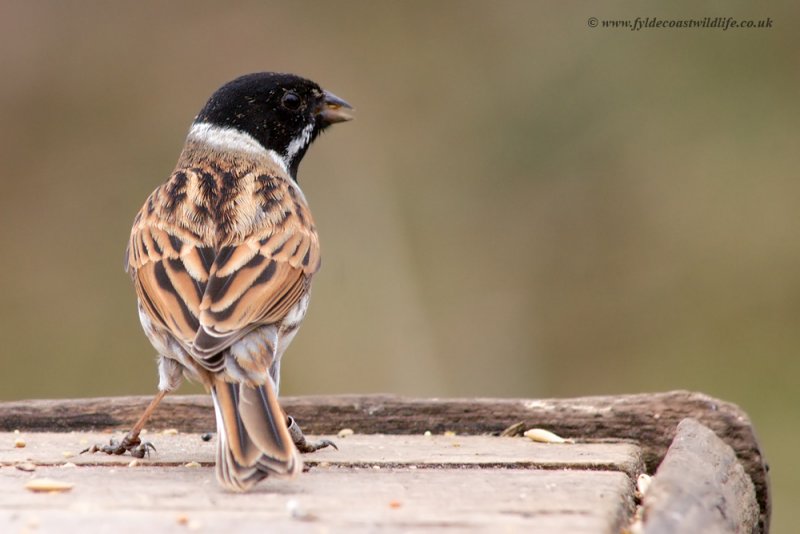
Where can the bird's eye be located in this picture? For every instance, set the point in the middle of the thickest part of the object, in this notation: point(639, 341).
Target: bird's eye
point(291, 101)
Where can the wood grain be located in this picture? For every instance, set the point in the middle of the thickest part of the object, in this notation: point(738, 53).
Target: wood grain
point(358, 450)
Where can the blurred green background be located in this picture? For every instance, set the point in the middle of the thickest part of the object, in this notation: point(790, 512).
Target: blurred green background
point(525, 206)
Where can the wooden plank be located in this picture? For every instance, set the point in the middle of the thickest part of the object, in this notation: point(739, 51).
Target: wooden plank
point(700, 487)
point(374, 483)
point(649, 419)
point(354, 451)
point(150, 499)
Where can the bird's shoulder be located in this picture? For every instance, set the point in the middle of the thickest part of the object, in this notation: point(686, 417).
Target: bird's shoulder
point(214, 202)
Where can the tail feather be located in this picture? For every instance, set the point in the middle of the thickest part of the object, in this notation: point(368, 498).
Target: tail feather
point(253, 441)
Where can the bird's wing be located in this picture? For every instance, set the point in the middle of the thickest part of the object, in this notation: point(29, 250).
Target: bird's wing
point(258, 279)
point(209, 290)
point(169, 261)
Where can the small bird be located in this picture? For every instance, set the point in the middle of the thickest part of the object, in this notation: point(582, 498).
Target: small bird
point(222, 256)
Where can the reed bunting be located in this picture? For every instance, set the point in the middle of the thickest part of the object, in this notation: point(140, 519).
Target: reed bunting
point(222, 256)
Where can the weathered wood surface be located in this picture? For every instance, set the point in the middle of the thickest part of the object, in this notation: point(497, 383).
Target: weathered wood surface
point(648, 419)
point(700, 487)
point(361, 451)
point(373, 483)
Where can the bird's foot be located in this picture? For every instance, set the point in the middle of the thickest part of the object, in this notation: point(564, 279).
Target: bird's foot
point(129, 443)
point(300, 441)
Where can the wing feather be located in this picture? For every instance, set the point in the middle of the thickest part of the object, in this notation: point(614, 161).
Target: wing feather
point(210, 287)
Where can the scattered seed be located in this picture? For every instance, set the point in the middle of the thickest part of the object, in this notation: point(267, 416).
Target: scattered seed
point(343, 433)
point(395, 504)
point(182, 519)
point(427, 434)
point(449, 433)
point(134, 463)
point(376, 467)
point(16, 432)
point(19, 443)
point(67, 454)
point(192, 464)
point(643, 484)
point(26, 466)
point(544, 436)
point(48, 485)
point(68, 464)
point(296, 511)
point(170, 431)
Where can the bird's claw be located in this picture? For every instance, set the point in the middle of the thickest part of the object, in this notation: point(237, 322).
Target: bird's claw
point(143, 450)
point(131, 444)
point(305, 446)
point(300, 441)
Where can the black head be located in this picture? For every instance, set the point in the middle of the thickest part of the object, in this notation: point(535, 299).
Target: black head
point(283, 112)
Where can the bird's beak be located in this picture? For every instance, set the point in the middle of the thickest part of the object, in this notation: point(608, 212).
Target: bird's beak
point(334, 109)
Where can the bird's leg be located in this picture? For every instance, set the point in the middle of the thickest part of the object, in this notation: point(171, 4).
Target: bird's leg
point(300, 440)
point(131, 442)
